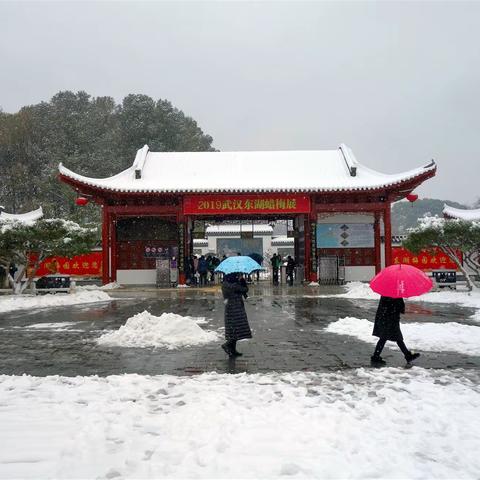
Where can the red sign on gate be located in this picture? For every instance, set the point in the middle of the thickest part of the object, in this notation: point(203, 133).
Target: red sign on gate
point(245, 204)
point(433, 259)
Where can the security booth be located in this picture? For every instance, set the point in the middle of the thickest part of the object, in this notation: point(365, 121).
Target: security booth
point(335, 205)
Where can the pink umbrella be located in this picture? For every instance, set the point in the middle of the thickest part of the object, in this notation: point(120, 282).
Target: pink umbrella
point(401, 281)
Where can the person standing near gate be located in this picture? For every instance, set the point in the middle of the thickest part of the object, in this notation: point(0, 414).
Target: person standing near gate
point(290, 269)
point(276, 262)
point(203, 270)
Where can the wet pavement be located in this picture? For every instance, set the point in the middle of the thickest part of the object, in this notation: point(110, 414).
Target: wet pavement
point(287, 324)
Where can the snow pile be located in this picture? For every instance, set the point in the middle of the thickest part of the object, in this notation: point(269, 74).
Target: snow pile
point(168, 330)
point(111, 286)
point(107, 286)
point(9, 303)
point(387, 423)
point(436, 337)
point(313, 284)
point(463, 298)
point(359, 290)
point(183, 285)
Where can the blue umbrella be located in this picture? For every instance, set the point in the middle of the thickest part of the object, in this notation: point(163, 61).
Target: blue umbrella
point(238, 264)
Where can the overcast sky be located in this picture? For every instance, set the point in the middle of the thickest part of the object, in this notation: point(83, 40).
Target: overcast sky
point(397, 82)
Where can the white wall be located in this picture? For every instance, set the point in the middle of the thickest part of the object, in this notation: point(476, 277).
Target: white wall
point(137, 277)
point(359, 274)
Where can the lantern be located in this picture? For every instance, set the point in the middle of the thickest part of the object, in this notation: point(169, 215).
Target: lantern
point(81, 201)
point(411, 197)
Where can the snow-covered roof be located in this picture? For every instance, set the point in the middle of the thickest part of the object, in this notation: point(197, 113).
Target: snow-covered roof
point(469, 215)
point(237, 228)
point(28, 217)
point(398, 239)
point(283, 240)
point(200, 242)
point(262, 171)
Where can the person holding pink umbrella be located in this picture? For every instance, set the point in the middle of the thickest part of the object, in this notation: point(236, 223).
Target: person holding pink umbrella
point(395, 283)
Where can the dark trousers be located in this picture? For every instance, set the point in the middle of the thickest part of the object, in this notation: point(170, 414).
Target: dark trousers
point(275, 276)
point(203, 278)
point(381, 343)
point(290, 277)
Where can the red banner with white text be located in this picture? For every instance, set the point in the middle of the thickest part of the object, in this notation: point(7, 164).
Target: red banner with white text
point(87, 265)
point(431, 259)
point(245, 204)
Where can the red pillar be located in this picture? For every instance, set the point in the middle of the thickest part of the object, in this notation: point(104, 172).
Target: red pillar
point(113, 240)
point(388, 234)
point(105, 244)
point(182, 222)
point(378, 257)
point(308, 246)
point(313, 247)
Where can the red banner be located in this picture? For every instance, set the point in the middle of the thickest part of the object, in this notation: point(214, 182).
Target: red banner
point(245, 204)
point(89, 265)
point(433, 259)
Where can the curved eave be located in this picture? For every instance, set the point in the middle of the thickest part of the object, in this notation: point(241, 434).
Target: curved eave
point(461, 214)
point(31, 216)
point(80, 183)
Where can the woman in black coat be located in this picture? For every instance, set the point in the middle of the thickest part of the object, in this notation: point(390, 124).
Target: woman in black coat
point(387, 327)
point(236, 322)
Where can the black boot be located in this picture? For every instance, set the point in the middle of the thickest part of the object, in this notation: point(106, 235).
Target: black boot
point(227, 347)
point(409, 357)
point(233, 346)
point(377, 360)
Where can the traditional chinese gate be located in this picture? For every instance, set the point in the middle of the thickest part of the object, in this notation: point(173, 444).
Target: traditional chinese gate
point(258, 206)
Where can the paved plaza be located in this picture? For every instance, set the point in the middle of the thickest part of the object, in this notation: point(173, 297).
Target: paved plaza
point(287, 323)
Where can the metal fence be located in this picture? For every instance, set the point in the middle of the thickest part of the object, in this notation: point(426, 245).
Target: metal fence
point(331, 270)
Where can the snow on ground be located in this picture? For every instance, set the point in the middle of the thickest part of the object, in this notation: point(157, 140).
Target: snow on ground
point(9, 303)
point(464, 298)
point(110, 286)
point(436, 337)
point(378, 423)
point(168, 330)
point(107, 286)
point(56, 326)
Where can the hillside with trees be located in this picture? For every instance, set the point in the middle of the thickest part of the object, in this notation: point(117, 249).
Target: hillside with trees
point(97, 137)
point(91, 135)
point(405, 215)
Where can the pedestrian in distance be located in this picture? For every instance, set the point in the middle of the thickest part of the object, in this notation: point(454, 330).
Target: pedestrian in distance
point(387, 327)
point(236, 322)
point(290, 269)
point(203, 270)
point(276, 261)
point(210, 268)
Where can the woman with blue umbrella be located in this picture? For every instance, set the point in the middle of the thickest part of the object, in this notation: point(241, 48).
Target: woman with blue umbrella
point(234, 289)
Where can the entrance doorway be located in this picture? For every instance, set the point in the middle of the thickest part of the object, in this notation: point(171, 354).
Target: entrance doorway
point(261, 237)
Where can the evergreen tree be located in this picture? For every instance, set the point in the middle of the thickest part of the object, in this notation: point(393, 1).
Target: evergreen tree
point(90, 135)
point(406, 215)
point(450, 236)
point(43, 238)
